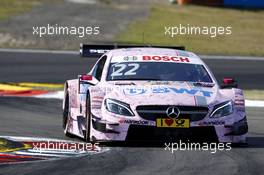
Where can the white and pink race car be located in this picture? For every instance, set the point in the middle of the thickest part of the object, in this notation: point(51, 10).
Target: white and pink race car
point(152, 93)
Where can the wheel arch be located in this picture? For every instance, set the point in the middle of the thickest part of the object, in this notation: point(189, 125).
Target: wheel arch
point(65, 94)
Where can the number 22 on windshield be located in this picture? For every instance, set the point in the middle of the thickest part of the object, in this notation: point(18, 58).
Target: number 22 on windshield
point(125, 69)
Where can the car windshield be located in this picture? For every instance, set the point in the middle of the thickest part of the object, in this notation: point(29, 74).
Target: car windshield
point(160, 71)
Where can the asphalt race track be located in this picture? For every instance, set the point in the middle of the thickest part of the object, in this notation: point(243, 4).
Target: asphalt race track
point(56, 68)
point(42, 118)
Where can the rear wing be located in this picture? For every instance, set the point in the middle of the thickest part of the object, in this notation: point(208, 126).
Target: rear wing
point(87, 50)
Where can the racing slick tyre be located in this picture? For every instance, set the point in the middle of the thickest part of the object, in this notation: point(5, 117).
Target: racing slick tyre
point(66, 112)
point(88, 118)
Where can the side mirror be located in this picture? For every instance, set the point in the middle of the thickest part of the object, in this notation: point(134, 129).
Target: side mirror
point(229, 83)
point(86, 77)
point(84, 82)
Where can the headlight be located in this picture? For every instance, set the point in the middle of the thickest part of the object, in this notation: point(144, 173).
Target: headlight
point(118, 107)
point(222, 109)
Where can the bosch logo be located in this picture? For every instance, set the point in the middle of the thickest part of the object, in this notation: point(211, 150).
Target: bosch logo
point(166, 58)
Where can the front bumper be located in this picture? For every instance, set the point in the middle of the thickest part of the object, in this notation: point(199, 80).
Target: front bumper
point(152, 133)
point(108, 131)
point(238, 128)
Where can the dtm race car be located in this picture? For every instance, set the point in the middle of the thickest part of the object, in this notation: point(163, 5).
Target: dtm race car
point(152, 93)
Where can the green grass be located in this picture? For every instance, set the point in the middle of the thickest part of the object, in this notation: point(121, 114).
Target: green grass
point(13, 7)
point(246, 38)
point(254, 94)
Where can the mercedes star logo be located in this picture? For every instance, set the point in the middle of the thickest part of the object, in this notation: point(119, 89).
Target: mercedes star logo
point(173, 112)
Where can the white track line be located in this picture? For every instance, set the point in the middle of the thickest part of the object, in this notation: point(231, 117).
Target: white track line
point(52, 95)
point(39, 153)
point(254, 103)
point(83, 1)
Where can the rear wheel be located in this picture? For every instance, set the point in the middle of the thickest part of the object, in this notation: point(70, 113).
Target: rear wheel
point(88, 118)
point(66, 114)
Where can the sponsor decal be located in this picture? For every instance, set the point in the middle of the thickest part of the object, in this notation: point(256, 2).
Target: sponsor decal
point(204, 84)
point(130, 58)
point(98, 51)
point(217, 122)
point(161, 82)
point(173, 123)
point(97, 101)
point(98, 97)
point(166, 58)
point(96, 106)
point(165, 90)
point(134, 122)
